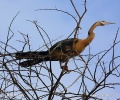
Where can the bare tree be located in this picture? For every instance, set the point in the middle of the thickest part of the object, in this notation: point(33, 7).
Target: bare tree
point(39, 82)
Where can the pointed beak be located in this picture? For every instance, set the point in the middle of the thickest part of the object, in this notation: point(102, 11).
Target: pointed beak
point(109, 23)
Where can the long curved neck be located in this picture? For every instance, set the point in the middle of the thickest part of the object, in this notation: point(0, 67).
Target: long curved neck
point(91, 35)
point(90, 32)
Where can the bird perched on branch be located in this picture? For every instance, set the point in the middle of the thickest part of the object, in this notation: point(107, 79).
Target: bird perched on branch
point(62, 51)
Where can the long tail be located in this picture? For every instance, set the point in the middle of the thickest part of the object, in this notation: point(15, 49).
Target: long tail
point(32, 57)
point(31, 62)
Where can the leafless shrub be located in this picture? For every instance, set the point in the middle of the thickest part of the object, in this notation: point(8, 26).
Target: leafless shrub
point(40, 82)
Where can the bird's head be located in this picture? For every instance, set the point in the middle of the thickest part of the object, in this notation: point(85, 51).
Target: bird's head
point(102, 23)
point(98, 23)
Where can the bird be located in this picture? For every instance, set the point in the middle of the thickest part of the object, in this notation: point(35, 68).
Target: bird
point(61, 51)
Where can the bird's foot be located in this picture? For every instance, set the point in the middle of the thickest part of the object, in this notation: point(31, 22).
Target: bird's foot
point(65, 68)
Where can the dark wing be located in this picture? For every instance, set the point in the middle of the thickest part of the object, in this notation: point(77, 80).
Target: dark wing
point(63, 44)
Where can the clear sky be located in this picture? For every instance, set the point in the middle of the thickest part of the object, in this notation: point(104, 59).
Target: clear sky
point(57, 24)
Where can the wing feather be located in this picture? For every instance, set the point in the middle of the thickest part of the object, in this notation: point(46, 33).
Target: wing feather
point(63, 44)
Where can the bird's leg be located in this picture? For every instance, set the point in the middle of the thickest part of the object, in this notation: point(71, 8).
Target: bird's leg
point(65, 67)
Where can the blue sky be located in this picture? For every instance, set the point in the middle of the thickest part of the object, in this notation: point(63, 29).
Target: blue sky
point(57, 24)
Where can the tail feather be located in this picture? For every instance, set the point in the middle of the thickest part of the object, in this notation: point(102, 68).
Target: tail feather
point(31, 62)
point(30, 55)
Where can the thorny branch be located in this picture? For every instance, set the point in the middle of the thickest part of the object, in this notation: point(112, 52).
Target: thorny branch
point(41, 81)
